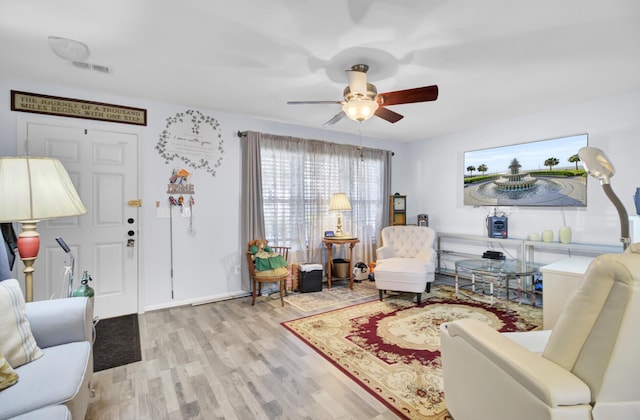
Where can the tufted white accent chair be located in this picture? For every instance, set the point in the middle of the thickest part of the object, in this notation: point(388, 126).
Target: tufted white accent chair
point(406, 261)
point(585, 368)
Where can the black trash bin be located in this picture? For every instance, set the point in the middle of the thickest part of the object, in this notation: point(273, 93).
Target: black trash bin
point(309, 277)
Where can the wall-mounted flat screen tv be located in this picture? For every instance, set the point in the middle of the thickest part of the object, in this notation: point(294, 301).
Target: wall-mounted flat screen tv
point(539, 173)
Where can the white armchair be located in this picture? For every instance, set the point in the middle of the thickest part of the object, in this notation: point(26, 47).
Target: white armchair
point(586, 368)
point(406, 261)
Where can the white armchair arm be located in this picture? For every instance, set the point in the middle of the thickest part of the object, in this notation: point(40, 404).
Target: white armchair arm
point(546, 380)
point(384, 252)
point(428, 255)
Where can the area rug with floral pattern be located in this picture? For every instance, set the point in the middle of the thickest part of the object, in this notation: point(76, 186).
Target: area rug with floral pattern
point(392, 348)
point(339, 294)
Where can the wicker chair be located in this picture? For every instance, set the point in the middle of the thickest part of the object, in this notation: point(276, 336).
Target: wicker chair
point(267, 276)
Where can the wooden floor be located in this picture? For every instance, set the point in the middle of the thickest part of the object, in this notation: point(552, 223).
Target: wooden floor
point(228, 360)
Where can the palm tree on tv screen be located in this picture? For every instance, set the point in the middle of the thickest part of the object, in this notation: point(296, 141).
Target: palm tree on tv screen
point(551, 162)
point(574, 159)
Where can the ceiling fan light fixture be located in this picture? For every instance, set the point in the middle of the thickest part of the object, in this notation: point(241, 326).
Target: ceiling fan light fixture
point(69, 49)
point(361, 109)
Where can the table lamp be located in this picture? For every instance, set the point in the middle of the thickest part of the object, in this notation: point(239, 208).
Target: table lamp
point(34, 189)
point(339, 202)
point(598, 166)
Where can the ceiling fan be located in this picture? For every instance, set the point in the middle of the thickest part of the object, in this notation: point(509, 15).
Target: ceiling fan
point(362, 100)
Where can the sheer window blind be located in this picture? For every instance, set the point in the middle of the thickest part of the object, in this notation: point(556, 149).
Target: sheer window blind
point(298, 180)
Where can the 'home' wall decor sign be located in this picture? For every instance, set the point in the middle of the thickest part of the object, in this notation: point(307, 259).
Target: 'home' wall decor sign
point(193, 138)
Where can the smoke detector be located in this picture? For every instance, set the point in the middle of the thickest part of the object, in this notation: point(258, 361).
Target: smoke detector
point(69, 49)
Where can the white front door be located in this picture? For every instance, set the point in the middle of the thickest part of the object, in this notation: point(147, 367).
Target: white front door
point(103, 164)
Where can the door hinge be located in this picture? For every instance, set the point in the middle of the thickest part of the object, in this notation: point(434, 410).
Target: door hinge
point(135, 203)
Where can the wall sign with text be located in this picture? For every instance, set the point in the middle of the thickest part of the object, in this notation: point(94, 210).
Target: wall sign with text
point(76, 108)
point(193, 138)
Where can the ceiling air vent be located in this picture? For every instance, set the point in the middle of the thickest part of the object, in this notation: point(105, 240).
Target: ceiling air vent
point(92, 67)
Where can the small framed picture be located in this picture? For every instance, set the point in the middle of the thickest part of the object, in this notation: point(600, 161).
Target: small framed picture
point(329, 234)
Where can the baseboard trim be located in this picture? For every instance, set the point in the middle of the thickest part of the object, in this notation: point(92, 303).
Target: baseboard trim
point(199, 301)
point(218, 298)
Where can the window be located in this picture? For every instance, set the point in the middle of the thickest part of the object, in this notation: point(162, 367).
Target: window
point(298, 179)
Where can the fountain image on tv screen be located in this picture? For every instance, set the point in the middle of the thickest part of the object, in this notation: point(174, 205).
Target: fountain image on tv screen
point(539, 173)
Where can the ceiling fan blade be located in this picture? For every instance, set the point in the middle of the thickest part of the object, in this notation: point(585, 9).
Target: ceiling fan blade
point(387, 114)
point(312, 102)
point(357, 81)
point(340, 115)
point(421, 94)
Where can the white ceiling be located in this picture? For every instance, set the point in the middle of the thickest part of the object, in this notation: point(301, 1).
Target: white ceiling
point(492, 59)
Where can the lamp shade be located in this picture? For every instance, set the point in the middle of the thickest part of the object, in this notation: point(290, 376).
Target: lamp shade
point(339, 202)
point(596, 163)
point(598, 166)
point(360, 109)
point(34, 188)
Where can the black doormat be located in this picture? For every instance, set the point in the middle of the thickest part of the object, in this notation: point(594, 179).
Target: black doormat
point(117, 342)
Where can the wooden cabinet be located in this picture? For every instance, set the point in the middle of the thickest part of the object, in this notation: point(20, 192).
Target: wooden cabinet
point(397, 210)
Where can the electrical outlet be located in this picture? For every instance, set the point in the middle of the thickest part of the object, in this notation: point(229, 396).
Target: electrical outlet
point(236, 269)
point(163, 212)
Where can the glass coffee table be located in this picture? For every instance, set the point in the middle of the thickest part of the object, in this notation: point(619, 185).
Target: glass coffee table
point(502, 271)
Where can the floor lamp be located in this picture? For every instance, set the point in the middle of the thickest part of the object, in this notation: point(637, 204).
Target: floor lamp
point(34, 189)
point(339, 202)
point(598, 166)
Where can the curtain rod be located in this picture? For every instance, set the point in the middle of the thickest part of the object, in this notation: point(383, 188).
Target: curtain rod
point(244, 134)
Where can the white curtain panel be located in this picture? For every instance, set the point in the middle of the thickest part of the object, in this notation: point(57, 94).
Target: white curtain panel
point(299, 176)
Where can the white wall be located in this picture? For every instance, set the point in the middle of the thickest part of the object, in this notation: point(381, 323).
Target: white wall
point(203, 263)
point(612, 123)
point(429, 172)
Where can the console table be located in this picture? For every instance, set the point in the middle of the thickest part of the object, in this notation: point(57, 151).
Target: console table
point(329, 243)
point(524, 248)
